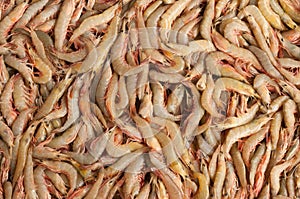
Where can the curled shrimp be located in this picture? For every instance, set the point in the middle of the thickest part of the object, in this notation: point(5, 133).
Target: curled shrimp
point(244, 131)
point(261, 83)
point(233, 85)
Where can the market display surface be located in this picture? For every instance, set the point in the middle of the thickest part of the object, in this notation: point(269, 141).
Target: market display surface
point(149, 99)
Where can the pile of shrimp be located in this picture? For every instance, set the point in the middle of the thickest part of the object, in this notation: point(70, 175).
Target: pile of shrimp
point(149, 99)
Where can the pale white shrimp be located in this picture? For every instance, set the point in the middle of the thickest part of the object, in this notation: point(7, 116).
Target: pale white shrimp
point(170, 15)
point(292, 49)
point(206, 22)
point(181, 21)
point(94, 21)
point(206, 98)
point(6, 101)
point(261, 40)
point(289, 109)
point(239, 165)
point(152, 23)
point(20, 66)
point(158, 103)
point(183, 33)
point(234, 85)
point(120, 66)
point(8, 21)
point(60, 30)
point(257, 156)
point(147, 132)
point(53, 97)
point(260, 84)
point(44, 70)
point(219, 177)
point(57, 181)
point(251, 143)
point(123, 162)
point(6, 134)
point(151, 9)
point(237, 133)
point(215, 65)
point(284, 16)
point(43, 16)
point(220, 7)
point(291, 8)
point(47, 26)
point(175, 99)
point(275, 129)
point(224, 45)
point(40, 182)
point(192, 120)
point(265, 62)
point(234, 28)
point(30, 12)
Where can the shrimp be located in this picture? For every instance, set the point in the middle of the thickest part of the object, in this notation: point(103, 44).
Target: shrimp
point(111, 96)
point(224, 45)
point(275, 176)
point(57, 181)
point(260, 84)
point(275, 129)
point(22, 151)
point(6, 134)
point(152, 23)
point(45, 72)
point(291, 9)
point(206, 98)
point(270, 15)
point(251, 143)
point(30, 12)
point(43, 16)
point(225, 83)
point(175, 99)
point(158, 103)
point(151, 9)
point(261, 41)
point(40, 182)
point(206, 22)
point(29, 177)
point(131, 174)
point(6, 101)
point(219, 177)
point(62, 167)
point(292, 49)
point(265, 62)
point(8, 21)
point(120, 66)
point(283, 16)
point(193, 119)
point(233, 30)
point(237, 133)
point(146, 107)
point(171, 157)
point(123, 162)
point(239, 165)
point(170, 15)
point(8, 189)
point(181, 21)
point(183, 34)
point(66, 138)
point(21, 95)
point(289, 108)
point(147, 132)
point(54, 96)
point(261, 169)
point(93, 192)
point(94, 21)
